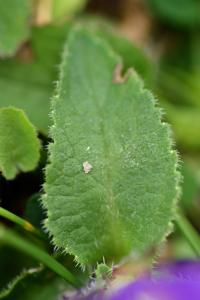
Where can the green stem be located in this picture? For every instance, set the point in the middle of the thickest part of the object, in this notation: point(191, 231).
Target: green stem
point(189, 232)
point(19, 221)
point(14, 240)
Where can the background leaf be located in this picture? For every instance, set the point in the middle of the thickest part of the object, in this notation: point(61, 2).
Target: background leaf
point(190, 189)
point(62, 9)
point(184, 13)
point(5, 292)
point(28, 83)
point(19, 145)
point(33, 211)
point(14, 20)
point(11, 268)
point(125, 202)
point(35, 284)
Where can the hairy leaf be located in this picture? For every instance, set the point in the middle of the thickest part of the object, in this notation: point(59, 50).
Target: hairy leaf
point(132, 56)
point(112, 180)
point(19, 145)
point(14, 29)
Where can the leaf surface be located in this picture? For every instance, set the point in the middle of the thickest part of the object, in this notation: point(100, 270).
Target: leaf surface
point(14, 15)
point(132, 56)
point(19, 145)
point(112, 182)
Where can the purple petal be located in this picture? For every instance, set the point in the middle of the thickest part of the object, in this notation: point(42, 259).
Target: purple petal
point(158, 290)
point(175, 281)
point(179, 281)
point(188, 270)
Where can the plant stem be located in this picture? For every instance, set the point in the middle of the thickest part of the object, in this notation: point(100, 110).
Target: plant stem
point(19, 221)
point(14, 240)
point(189, 232)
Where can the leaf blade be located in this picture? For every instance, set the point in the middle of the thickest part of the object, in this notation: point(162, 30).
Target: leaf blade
point(13, 28)
point(104, 213)
point(19, 145)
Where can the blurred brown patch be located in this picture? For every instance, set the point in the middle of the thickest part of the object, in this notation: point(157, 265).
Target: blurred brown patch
point(136, 23)
point(111, 8)
point(133, 17)
point(25, 53)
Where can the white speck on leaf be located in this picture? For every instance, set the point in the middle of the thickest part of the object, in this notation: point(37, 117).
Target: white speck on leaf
point(87, 167)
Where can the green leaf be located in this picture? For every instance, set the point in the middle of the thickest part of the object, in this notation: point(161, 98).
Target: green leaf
point(62, 8)
point(190, 189)
point(6, 292)
point(111, 184)
point(14, 19)
point(29, 84)
point(184, 13)
point(103, 271)
point(19, 145)
point(35, 284)
point(132, 56)
point(34, 212)
point(10, 268)
point(181, 119)
point(11, 238)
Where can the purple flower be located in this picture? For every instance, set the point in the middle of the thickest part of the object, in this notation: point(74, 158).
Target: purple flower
point(178, 281)
point(175, 281)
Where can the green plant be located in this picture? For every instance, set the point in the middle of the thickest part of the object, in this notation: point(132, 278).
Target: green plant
point(90, 178)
